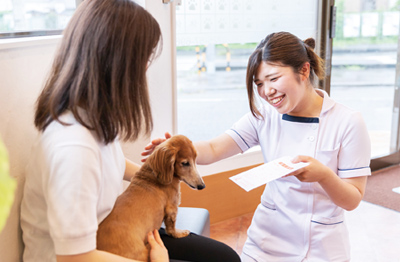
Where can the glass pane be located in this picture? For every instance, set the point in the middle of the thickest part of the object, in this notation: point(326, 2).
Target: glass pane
point(214, 40)
point(34, 15)
point(364, 64)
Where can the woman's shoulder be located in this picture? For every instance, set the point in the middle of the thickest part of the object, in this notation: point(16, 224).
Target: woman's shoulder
point(347, 118)
point(269, 115)
point(265, 110)
point(346, 112)
point(68, 132)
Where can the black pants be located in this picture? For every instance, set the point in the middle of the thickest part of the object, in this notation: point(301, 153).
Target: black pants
point(195, 248)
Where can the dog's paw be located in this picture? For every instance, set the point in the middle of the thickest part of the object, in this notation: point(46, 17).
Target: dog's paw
point(178, 233)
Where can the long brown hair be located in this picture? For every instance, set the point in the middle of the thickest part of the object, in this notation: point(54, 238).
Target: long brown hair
point(101, 67)
point(282, 49)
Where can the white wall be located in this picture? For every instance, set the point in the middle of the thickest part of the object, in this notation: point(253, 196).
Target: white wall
point(23, 66)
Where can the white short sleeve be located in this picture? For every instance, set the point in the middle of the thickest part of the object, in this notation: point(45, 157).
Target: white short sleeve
point(355, 153)
point(72, 182)
point(72, 192)
point(244, 132)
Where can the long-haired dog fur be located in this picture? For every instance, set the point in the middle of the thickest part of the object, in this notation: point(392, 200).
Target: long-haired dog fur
point(153, 196)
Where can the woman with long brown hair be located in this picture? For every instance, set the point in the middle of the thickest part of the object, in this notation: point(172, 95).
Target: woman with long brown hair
point(95, 95)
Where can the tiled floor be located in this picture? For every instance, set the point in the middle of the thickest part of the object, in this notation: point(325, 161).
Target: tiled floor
point(374, 233)
point(232, 232)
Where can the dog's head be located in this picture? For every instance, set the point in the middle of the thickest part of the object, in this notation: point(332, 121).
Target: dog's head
point(176, 157)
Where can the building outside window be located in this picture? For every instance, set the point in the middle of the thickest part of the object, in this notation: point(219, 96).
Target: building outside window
point(34, 15)
point(364, 58)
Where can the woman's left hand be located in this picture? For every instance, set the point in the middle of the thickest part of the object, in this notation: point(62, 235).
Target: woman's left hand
point(152, 145)
point(158, 252)
point(346, 193)
point(314, 172)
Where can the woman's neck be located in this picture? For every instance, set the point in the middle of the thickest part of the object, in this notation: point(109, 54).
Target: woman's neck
point(311, 105)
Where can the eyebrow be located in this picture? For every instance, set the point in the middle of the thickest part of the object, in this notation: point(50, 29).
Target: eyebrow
point(267, 76)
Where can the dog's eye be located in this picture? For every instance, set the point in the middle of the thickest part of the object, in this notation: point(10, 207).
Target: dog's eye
point(185, 164)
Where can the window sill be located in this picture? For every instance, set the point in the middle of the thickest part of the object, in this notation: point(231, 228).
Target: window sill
point(12, 43)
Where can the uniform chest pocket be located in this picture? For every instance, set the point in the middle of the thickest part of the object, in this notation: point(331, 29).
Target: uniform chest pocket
point(329, 158)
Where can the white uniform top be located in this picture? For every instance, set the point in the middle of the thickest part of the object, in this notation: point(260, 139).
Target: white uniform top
point(296, 221)
point(71, 185)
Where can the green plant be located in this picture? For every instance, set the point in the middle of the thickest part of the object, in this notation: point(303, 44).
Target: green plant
point(7, 186)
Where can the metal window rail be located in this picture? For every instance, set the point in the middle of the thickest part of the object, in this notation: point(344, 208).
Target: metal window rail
point(9, 35)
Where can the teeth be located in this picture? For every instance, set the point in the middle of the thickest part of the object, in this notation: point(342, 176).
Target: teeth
point(276, 100)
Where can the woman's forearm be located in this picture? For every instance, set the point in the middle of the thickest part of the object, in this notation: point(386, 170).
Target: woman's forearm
point(216, 149)
point(130, 169)
point(346, 193)
point(94, 256)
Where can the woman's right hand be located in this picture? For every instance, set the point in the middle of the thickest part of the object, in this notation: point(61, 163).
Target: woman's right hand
point(153, 144)
point(158, 252)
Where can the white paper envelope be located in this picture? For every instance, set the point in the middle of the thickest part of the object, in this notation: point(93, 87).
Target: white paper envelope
point(267, 172)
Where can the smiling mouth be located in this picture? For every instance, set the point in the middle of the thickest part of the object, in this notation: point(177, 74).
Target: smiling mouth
point(276, 100)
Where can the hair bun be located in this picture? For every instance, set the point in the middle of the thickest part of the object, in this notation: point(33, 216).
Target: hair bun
point(310, 42)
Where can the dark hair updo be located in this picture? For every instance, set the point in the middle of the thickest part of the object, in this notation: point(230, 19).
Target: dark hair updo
point(283, 49)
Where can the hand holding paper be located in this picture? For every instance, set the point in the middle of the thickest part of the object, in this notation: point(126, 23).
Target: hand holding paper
point(267, 172)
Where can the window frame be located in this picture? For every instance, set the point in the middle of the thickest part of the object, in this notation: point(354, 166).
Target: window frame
point(24, 34)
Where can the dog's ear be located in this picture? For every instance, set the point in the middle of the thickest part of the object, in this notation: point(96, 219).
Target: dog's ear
point(163, 161)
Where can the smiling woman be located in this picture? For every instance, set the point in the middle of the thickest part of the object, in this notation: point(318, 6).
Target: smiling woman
point(288, 65)
point(281, 87)
point(305, 124)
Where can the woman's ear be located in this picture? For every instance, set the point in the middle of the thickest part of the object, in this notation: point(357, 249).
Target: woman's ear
point(305, 71)
point(162, 163)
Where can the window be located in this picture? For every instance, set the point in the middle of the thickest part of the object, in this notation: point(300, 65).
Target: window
point(34, 17)
point(214, 41)
point(364, 59)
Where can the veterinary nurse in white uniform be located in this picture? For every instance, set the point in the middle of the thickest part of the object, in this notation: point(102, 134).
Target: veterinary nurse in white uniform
point(300, 217)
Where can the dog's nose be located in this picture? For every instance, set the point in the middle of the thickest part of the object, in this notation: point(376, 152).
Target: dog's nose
point(200, 187)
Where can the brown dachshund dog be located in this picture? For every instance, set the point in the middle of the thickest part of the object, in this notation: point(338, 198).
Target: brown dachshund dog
point(153, 196)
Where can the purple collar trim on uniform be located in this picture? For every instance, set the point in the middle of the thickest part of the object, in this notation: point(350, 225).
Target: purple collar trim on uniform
point(300, 119)
point(327, 104)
